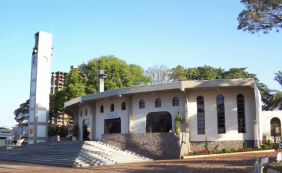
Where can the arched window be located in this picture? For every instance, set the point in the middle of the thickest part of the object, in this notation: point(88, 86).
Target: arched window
point(275, 126)
point(123, 106)
point(158, 122)
point(175, 101)
point(158, 103)
point(241, 114)
point(102, 109)
point(220, 114)
point(112, 107)
point(85, 112)
point(142, 104)
point(200, 115)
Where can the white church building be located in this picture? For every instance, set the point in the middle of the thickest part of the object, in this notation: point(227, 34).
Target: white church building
point(225, 111)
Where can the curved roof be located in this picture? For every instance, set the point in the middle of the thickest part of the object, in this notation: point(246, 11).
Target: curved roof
point(249, 82)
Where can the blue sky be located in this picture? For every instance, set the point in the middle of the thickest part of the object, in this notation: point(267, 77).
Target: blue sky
point(144, 32)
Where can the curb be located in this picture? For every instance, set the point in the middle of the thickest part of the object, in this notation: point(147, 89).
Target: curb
point(226, 154)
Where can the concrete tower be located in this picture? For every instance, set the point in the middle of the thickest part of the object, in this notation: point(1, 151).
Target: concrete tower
point(40, 88)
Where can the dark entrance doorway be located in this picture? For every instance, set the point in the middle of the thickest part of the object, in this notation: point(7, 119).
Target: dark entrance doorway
point(158, 122)
point(112, 126)
point(86, 130)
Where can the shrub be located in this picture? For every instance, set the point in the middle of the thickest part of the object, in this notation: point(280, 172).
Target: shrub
point(245, 143)
point(14, 141)
point(232, 150)
point(178, 121)
point(206, 145)
point(249, 149)
point(264, 147)
point(240, 149)
point(191, 154)
point(275, 146)
point(268, 142)
point(226, 150)
point(2, 148)
point(216, 151)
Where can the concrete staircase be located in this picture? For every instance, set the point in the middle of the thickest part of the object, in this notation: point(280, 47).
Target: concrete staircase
point(71, 154)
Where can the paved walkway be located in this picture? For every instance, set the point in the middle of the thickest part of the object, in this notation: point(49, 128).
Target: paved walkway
point(227, 164)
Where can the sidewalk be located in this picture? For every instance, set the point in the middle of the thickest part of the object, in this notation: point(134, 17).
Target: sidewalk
point(219, 164)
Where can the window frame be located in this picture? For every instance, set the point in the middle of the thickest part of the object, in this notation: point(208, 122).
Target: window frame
point(102, 109)
point(218, 114)
point(141, 102)
point(112, 107)
point(201, 98)
point(174, 101)
point(158, 103)
point(243, 111)
point(123, 106)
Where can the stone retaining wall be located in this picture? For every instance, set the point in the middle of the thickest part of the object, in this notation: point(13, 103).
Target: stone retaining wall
point(152, 145)
point(219, 145)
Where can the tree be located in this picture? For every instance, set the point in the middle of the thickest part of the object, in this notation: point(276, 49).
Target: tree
point(178, 73)
point(260, 15)
point(22, 113)
point(158, 74)
point(119, 74)
point(276, 101)
point(75, 86)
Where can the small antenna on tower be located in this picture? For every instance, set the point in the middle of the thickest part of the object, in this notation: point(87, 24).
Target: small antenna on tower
point(51, 25)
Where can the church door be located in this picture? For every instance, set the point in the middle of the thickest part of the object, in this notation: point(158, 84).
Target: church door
point(112, 126)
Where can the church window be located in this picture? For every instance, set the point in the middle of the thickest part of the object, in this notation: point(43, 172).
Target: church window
point(158, 103)
point(112, 126)
point(220, 114)
point(201, 115)
point(275, 126)
point(102, 109)
point(241, 114)
point(158, 122)
point(142, 104)
point(123, 106)
point(175, 101)
point(112, 108)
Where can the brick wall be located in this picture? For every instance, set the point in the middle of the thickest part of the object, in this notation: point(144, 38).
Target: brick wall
point(152, 145)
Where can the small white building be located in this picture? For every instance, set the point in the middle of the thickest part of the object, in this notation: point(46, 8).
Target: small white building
point(6, 137)
point(225, 111)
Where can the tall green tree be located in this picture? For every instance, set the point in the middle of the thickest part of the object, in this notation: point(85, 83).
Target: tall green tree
point(119, 74)
point(76, 85)
point(260, 15)
point(22, 113)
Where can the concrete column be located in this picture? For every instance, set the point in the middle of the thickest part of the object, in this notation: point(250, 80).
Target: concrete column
point(40, 88)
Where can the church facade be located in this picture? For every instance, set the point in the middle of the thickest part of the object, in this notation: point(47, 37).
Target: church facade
point(225, 111)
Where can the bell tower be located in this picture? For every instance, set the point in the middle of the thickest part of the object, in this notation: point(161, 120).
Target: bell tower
point(40, 88)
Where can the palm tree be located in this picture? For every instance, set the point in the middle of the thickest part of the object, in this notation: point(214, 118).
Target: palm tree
point(276, 101)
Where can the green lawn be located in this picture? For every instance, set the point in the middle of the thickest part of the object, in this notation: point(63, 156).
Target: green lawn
point(276, 167)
